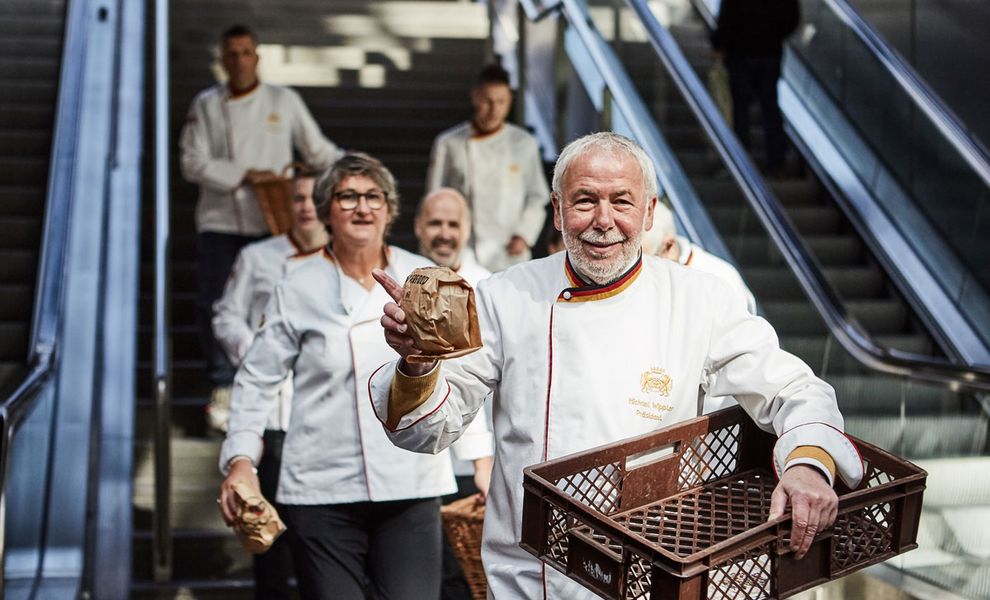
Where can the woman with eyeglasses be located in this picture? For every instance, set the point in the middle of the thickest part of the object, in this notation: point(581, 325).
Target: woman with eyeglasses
point(363, 515)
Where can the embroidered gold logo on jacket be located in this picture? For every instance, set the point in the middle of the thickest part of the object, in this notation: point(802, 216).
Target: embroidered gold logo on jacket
point(656, 381)
point(273, 118)
point(261, 323)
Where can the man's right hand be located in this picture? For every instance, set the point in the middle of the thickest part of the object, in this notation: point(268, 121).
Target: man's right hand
point(241, 471)
point(396, 330)
point(252, 176)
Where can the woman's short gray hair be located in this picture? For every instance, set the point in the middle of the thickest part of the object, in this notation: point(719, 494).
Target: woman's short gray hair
point(351, 164)
point(609, 143)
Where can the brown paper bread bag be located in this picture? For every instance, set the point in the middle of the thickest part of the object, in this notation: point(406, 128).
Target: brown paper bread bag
point(441, 314)
point(257, 524)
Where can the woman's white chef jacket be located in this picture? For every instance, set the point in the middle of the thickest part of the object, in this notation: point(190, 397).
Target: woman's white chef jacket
point(576, 366)
point(325, 326)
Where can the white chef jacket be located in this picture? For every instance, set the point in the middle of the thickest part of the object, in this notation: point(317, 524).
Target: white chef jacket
point(568, 361)
point(237, 314)
point(225, 136)
point(478, 436)
point(696, 257)
point(325, 326)
point(501, 175)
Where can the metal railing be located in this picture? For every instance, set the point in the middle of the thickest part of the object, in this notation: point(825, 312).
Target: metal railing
point(161, 373)
point(43, 347)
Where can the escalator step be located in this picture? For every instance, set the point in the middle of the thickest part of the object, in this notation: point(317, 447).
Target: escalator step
point(878, 394)
point(14, 340)
point(920, 437)
point(21, 232)
point(801, 318)
point(812, 349)
point(830, 250)
point(778, 283)
point(817, 220)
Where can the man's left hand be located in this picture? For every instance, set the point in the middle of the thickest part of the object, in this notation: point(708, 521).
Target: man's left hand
point(814, 505)
point(516, 246)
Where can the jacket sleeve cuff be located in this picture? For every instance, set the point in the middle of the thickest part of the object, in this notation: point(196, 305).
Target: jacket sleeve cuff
point(812, 456)
point(407, 393)
point(240, 443)
point(847, 464)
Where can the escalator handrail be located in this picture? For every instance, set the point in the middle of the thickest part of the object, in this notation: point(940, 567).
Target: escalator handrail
point(46, 315)
point(914, 86)
point(805, 267)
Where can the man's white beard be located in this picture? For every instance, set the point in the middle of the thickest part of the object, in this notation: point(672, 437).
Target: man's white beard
point(601, 272)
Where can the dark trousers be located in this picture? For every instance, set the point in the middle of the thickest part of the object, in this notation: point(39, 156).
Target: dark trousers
point(455, 587)
point(215, 256)
point(755, 78)
point(273, 569)
point(367, 550)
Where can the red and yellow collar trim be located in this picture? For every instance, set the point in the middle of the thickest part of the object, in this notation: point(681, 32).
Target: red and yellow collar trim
point(581, 291)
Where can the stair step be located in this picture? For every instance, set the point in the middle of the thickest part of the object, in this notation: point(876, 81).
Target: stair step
point(830, 250)
point(197, 555)
point(29, 68)
point(21, 232)
point(801, 318)
point(14, 340)
point(809, 220)
point(17, 267)
point(24, 170)
point(18, 301)
point(824, 353)
point(31, 45)
point(15, 143)
point(17, 23)
point(778, 283)
point(879, 394)
point(921, 436)
point(22, 201)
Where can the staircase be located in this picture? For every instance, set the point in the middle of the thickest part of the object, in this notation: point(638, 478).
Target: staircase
point(30, 54)
point(382, 77)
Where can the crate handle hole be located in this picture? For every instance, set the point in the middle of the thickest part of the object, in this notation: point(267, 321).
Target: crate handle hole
point(648, 457)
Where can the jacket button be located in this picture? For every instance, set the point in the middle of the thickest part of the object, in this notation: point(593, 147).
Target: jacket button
point(567, 295)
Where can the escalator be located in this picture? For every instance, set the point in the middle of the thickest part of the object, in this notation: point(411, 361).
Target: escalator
point(30, 53)
point(859, 255)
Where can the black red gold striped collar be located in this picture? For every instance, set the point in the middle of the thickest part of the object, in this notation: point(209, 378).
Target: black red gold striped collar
point(582, 291)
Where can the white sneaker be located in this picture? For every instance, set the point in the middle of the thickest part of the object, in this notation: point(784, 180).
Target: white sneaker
point(218, 410)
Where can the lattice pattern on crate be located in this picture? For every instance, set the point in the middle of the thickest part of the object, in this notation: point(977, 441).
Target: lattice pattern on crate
point(862, 535)
point(696, 520)
point(875, 477)
point(558, 523)
point(639, 577)
point(748, 577)
point(709, 457)
point(598, 487)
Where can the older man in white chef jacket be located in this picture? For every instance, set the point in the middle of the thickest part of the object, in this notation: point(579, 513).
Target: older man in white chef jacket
point(566, 341)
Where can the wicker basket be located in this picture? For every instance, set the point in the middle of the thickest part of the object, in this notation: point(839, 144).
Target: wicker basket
point(462, 523)
point(275, 201)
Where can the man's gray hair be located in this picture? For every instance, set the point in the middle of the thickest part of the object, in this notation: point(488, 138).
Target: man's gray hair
point(609, 143)
point(351, 164)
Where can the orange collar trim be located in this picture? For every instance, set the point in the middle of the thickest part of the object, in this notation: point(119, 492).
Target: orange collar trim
point(580, 291)
point(477, 134)
point(327, 254)
point(233, 94)
point(300, 251)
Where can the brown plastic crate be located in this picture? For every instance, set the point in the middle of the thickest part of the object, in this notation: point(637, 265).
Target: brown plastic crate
point(682, 513)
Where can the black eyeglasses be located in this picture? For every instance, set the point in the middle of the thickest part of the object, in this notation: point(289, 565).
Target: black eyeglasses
point(349, 199)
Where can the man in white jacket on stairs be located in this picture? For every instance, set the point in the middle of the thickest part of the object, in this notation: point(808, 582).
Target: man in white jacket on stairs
point(236, 134)
point(497, 167)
